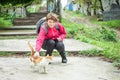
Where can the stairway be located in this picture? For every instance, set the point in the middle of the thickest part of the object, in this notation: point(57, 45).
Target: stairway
point(31, 19)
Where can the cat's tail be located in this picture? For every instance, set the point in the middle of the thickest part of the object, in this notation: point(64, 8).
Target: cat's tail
point(30, 46)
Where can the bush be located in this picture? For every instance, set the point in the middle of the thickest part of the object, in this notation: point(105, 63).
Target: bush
point(112, 24)
point(92, 52)
point(108, 34)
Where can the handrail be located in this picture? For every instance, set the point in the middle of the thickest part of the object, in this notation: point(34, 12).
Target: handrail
point(13, 17)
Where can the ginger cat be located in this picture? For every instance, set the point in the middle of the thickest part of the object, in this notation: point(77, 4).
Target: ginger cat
point(41, 62)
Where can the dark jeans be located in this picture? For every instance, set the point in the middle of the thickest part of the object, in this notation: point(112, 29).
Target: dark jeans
point(50, 45)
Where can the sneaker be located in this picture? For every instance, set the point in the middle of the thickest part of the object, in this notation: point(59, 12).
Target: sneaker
point(64, 60)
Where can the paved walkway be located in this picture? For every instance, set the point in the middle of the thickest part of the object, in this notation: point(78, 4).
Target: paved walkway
point(77, 68)
point(20, 45)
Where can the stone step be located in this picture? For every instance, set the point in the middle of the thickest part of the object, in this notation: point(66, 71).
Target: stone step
point(17, 32)
point(24, 22)
point(20, 45)
point(38, 14)
point(25, 27)
point(30, 20)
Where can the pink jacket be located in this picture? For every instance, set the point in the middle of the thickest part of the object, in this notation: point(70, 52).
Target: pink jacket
point(53, 33)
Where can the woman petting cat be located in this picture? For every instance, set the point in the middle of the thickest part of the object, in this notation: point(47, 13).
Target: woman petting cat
point(53, 38)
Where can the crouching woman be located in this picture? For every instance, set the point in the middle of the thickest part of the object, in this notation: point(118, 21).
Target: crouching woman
point(52, 38)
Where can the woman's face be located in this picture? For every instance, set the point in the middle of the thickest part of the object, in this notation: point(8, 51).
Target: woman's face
point(51, 23)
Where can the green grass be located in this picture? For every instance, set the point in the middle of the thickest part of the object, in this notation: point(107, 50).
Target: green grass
point(111, 49)
point(5, 22)
point(103, 37)
point(76, 13)
point(111, 24)
point(7, 54)
point(32, 10)
point(92, 52)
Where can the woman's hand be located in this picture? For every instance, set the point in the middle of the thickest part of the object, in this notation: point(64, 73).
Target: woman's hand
point(36, 54)
point(59, 39)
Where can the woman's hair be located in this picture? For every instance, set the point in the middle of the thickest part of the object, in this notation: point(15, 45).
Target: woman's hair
point(52, 16)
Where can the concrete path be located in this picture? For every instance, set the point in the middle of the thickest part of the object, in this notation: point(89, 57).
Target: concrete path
point(20, 45)
point(77, 68)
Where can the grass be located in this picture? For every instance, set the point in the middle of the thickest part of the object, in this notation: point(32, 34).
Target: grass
point(111, 24)
point(76, 13)
point(103, 37)
point(90, 53)
point(5, 22)
point(32, 10)
point(7, 54)
point(15, 54)
point(111, 49)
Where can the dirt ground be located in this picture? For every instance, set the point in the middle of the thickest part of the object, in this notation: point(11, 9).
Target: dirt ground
point(77, 68)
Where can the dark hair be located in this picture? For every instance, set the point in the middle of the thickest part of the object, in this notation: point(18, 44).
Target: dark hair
point(52, 16)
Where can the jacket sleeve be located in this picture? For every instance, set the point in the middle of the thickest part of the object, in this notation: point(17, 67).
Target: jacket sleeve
point(62, 32)
point(40, 39)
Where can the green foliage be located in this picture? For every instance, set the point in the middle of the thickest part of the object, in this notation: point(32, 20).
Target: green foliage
point(116, 64)
point(5, 15)
point(5, 20)
point(111, 50)
point(5, 54)
point(111, 24)
point(54, 53)
point(92, 52)
point(15, 2)
point(76, 13)
point(108, 34)
point(72, 29)
point(5, 23)
point(82, 32)
point(82, 38)
point(95, 4)
point(31, 10)
point(102, 37)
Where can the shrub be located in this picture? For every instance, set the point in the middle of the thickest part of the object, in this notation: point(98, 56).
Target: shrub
point(108, 34)
point(92, 52)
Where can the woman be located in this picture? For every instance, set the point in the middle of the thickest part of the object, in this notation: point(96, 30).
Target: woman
point(53, 39)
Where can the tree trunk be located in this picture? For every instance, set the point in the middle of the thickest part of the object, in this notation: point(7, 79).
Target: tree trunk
point(95, 7)
point(88, 11)
point(25, 6)
point(101, 6)
point(117, 1)
point(59, 5)
point(0, 10)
